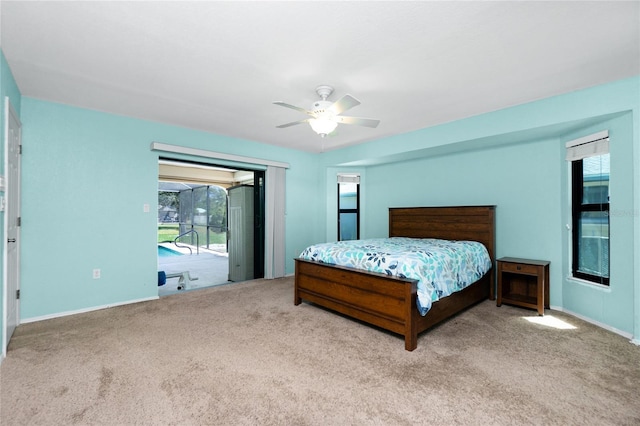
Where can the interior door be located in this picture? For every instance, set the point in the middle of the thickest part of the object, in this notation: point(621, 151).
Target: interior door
point(12, 223)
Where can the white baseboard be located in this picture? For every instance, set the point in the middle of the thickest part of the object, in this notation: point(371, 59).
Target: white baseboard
point(85, 310)
point(599, 324)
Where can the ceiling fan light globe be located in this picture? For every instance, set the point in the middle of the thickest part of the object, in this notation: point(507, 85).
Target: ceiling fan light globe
point(322, 126)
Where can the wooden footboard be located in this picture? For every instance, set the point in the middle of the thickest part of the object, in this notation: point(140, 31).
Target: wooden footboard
point(377, 299)
point(390, 302)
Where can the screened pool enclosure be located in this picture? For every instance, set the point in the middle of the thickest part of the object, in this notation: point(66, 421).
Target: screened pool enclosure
point(192, 214)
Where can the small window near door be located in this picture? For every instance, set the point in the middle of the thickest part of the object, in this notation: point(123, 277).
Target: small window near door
point(348, 207)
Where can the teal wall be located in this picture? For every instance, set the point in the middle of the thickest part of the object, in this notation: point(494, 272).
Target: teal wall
point(86, 177)
point(8, 87)
point(514, 159)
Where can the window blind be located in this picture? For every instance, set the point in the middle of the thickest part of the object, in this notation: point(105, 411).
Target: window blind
point(348, 178)
point(588, 146)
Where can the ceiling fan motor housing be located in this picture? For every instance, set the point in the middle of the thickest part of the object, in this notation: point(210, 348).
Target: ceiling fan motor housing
point(324, 91)
point(321, 106)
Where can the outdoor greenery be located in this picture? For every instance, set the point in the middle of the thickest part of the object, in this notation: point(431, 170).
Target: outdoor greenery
point(217, 198)
point(203, 207)
point(168, 198)
point(169, 231)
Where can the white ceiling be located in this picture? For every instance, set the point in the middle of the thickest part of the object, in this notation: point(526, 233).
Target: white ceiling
point(218, 66)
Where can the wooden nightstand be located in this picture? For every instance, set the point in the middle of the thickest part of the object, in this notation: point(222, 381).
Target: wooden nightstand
point(523, 282)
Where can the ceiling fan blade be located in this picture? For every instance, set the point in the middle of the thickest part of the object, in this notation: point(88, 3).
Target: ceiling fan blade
point(286, 105)
point(344, 103)
point(282, 126)
point(367, 122)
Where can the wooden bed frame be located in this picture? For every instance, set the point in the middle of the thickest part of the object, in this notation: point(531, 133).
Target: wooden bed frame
point(390, 302)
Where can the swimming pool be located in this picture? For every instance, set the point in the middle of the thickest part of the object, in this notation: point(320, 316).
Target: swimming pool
point(167, 252)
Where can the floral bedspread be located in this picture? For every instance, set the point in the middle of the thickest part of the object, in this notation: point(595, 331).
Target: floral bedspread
point(441, 267)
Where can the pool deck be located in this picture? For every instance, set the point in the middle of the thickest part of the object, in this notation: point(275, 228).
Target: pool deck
point(210, 267)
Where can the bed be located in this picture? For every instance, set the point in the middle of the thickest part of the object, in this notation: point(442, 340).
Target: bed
point(389, 302)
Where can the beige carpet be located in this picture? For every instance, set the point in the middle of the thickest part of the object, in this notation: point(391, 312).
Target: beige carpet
point(244, 354)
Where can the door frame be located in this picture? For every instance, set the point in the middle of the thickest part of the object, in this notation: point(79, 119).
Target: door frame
point(259, 225)
point(11, 190)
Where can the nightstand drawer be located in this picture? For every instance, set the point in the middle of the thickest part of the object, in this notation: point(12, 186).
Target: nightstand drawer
point(520, 268)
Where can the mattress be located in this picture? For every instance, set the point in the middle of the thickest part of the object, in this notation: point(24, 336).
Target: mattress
point(441, 267)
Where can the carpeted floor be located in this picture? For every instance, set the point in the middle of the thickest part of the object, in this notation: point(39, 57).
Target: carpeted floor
point(244, 354)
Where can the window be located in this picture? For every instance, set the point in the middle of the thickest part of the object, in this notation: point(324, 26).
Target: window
point(348, 207)
point(590, 168)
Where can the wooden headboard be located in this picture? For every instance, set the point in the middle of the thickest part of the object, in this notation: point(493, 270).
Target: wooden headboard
point(475, 223)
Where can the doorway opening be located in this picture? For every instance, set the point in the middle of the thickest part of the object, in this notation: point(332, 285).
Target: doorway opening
point(210, 225)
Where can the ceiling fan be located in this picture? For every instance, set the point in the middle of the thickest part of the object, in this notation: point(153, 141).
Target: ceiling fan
point(324, 115)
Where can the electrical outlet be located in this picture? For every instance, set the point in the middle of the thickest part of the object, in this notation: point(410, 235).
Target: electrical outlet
point(146, 208)
point(96, 274)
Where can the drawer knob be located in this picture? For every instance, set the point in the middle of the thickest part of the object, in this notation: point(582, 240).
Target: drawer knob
point(518, 267)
